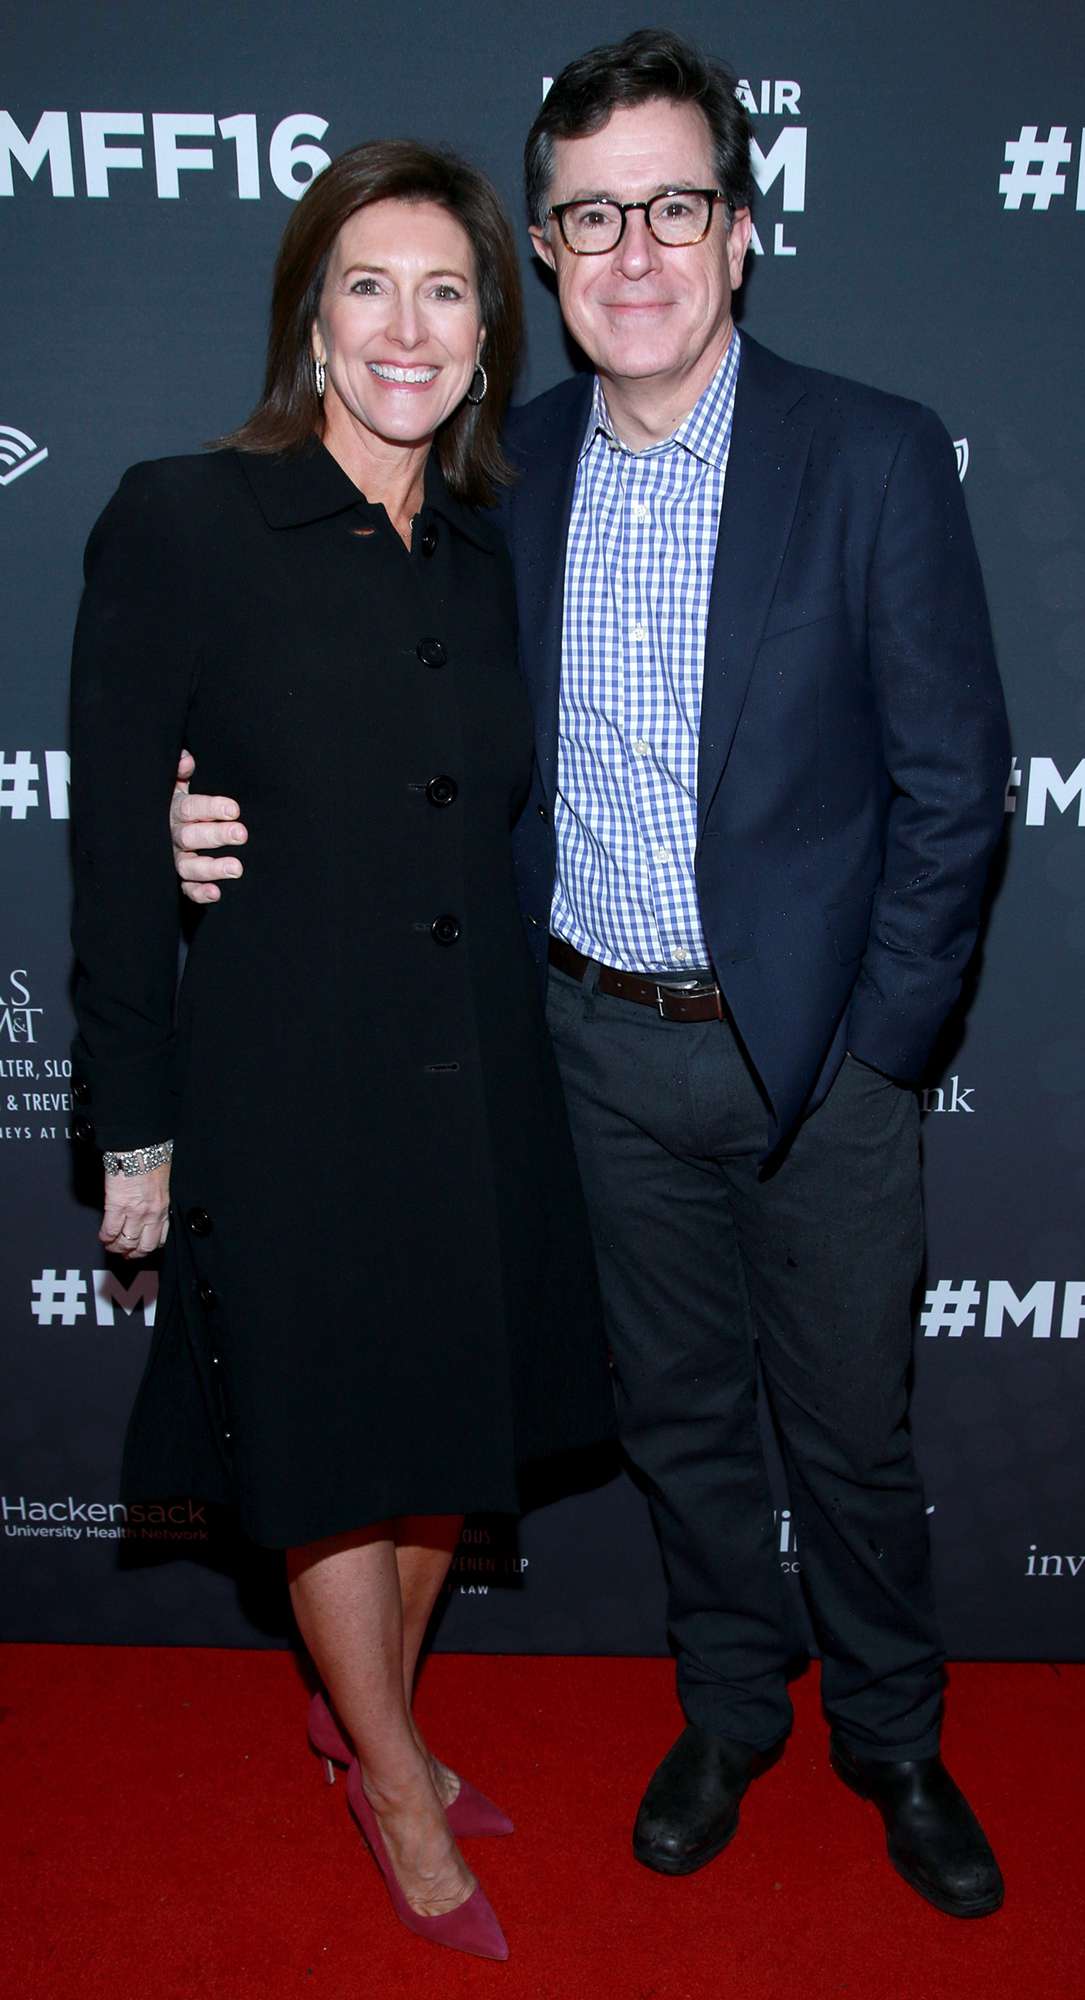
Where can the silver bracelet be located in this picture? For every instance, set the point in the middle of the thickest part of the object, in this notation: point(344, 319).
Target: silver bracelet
point(140, 1160)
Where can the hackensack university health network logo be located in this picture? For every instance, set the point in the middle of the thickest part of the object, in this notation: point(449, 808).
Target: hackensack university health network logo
point(67, 1519)
point(18, 454)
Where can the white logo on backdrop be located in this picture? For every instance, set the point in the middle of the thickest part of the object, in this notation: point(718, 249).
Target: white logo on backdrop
point(784, 160)
point(948, 1098)
point(292, 160)
point(954, 1308)
point(59, 1298)
point(20, 776)
point(1046, 787)
point(18, 453)
point(1036, 168)
point(960, 446)
point(1040, 1565)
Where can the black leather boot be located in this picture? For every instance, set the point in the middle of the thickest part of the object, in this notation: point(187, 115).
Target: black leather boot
point(934, 1839)
point(690, 1809)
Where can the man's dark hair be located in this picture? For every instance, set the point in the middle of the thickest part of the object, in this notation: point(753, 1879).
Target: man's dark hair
point(648, 65)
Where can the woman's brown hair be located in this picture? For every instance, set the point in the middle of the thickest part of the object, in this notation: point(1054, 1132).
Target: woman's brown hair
point(289, 414)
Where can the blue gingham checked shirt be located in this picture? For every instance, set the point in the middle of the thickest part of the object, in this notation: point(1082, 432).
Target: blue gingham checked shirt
point(638, 576)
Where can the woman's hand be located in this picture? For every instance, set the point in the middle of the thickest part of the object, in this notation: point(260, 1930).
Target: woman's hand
point(136, 1219)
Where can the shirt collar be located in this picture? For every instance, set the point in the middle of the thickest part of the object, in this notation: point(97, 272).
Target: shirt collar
point(705, 433)
point(296, 488)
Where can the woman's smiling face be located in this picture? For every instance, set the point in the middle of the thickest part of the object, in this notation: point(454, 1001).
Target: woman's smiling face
point(399, 327)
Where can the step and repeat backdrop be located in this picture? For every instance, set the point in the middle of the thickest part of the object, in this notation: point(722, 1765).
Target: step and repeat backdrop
point(921, 225)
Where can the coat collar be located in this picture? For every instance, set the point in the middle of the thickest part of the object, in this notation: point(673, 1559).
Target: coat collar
point(293, 490)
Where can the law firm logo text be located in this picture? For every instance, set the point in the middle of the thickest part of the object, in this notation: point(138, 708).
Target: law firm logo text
point(17, 1014)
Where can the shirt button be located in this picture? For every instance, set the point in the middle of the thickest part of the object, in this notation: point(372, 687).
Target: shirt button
point(199, 1221)
point(428, 542)
point(640, 746)
point(431, 652)
point(638, 631)
point(664, 854)
point(641, 511)
point(681, 957)
point(444, 930)
point(442, 791)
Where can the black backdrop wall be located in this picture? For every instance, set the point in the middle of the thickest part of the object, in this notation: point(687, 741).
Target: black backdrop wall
point(921, 224)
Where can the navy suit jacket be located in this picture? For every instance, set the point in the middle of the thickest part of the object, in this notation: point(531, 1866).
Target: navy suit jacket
point(854, 750)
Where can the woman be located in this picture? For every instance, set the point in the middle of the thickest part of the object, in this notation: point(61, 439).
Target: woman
point(377, 1294)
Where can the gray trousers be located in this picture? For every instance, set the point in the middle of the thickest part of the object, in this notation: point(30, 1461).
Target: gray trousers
point(705, 1264)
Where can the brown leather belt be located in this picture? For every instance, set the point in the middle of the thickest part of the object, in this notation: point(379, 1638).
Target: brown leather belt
point(697, 1003)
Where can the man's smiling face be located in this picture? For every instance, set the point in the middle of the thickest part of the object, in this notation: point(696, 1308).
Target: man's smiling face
point(643, 312)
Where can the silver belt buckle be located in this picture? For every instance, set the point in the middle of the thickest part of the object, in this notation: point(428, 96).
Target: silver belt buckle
point(684, 987)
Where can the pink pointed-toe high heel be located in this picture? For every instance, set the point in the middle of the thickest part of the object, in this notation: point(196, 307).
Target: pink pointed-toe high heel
point(472, 1927)
point(469, 1814)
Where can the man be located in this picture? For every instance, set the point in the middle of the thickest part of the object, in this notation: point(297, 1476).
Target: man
point(771, 759)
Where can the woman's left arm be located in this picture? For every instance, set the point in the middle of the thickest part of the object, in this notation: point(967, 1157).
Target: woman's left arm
point(132, 676)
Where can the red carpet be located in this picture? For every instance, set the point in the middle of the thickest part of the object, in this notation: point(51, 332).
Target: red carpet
point(169, 1838)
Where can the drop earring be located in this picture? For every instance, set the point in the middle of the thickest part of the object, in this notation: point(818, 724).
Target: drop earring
point(319, 373)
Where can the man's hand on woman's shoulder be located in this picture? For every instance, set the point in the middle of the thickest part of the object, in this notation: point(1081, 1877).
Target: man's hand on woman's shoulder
point(199, 822)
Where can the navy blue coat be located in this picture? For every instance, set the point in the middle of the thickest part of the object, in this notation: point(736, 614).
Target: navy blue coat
point(853, 748)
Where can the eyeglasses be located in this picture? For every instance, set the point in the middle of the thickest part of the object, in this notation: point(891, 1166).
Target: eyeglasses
point(677, 219)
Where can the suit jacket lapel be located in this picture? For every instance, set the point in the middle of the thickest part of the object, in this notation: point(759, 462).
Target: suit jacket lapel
point(538, 520)
point(769, 448)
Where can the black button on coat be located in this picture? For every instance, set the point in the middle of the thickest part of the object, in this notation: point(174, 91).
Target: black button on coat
point(372, 1174)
